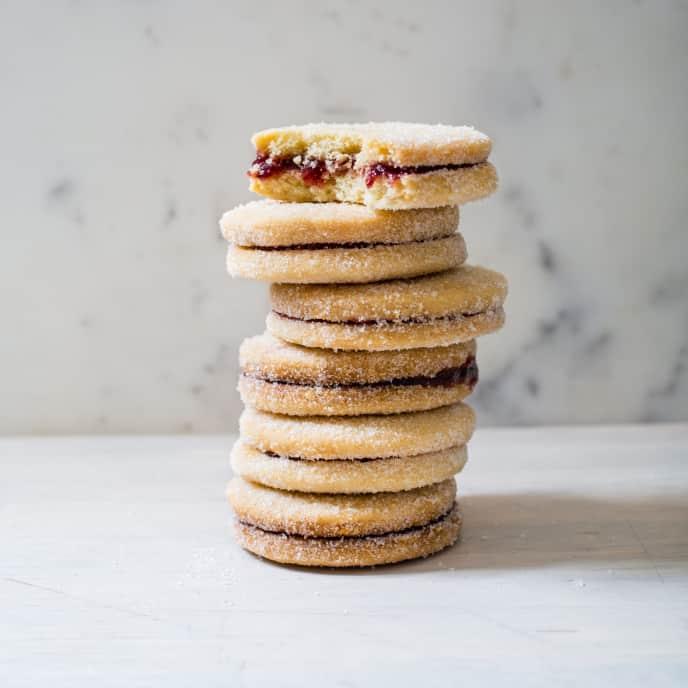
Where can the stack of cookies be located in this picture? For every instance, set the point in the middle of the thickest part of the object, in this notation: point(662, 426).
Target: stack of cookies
point(354, 424)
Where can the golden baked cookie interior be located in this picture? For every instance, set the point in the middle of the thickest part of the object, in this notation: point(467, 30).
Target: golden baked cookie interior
point(386, 165)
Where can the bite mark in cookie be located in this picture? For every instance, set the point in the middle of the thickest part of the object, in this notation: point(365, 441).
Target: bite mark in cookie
point(315, 171)
point(385, 165)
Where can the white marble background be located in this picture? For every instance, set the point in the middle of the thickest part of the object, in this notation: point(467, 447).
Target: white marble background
point(125, 132)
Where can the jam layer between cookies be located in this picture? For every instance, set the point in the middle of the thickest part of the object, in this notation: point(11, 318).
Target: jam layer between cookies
point(353, 538)
point(349, 245)
point(365, 459)
point(316, 171)
point(406, 321)
point(465, 374)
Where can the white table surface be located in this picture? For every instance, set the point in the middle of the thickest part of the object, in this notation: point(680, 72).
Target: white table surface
point(117, 569)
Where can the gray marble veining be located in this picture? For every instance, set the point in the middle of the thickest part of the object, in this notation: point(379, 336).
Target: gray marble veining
point(125, 134)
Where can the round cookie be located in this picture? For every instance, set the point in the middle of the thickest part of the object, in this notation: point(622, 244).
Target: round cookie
point(396, 143)
point(338, 515)
point(430, 189)
point(273, 223)
point(306, 243)
point(358, 437)
point(314, 264)
point(346, 476)
point(390, 165)
point(371, 550)
point(435, 310)
point(289, 379)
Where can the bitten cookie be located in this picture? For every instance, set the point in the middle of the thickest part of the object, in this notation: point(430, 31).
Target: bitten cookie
point(346, 476)
point(358, 437)
point(344, 530)
point(387, 165)
point(285, 378)
point(339, 242)
point(436, 310)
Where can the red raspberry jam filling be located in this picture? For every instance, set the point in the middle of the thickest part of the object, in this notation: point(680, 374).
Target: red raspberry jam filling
point(315, 172)
point(339, 538)
point(345, 245)
point(367, 459)
point(406, 321)
point(465, 374)
point(372, 173)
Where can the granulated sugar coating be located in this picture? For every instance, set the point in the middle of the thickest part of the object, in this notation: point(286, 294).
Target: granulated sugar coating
point(358, 437)
point(386, 336)
point(352, 551)
point(433, 188)
point(346, 476)
point(307, 400)
point(270, 358)
point(273, 223)
point(399, 143)
point(389, 165)
point(347, 264)
point(354, 425)
point(337, 515)
point(465, 290)
point(294, 380)
point(436, 310)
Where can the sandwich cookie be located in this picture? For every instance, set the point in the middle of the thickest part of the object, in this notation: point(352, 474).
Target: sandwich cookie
point(386, 165)
point(357, 437)
point(339, 242)
point(346, 476)
point(344, 530)
point(436, 310)
point(289, 379)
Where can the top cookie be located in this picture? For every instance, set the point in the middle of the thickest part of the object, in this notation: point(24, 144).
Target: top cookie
point(388, 165)
point(397, 143)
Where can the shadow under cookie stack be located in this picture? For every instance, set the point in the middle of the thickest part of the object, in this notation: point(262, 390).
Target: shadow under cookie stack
point(354, 424)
